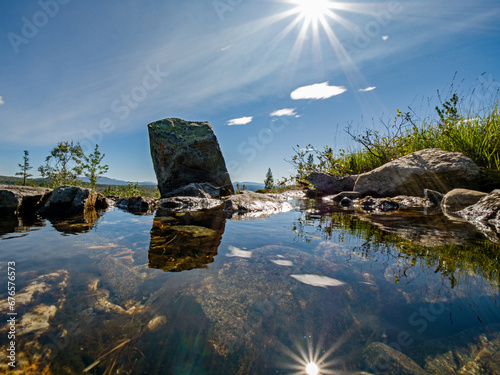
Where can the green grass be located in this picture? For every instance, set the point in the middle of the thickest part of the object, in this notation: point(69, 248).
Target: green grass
point(130, 190)
point(475, 133)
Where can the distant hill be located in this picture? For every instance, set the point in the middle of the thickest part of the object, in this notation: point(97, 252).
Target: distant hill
point(249, 185)
point(103, 181)
point(115, 182)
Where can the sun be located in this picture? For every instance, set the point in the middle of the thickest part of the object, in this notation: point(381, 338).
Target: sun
point(313, 10)
point(312, 369)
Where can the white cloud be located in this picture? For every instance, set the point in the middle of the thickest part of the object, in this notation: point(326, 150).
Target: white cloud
point(317, 280)
point(237, 252)
point(1, 100)
point(225, 48)
point(385, 37)
point(284, 112)
point(367, 89)
point(317, 91)
point(240, 121)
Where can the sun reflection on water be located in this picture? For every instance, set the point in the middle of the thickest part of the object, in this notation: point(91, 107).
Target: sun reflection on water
point(312, 359)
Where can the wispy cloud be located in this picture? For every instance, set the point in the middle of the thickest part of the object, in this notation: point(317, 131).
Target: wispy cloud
point(1, 100)
point(367, 89)
point(284, 112)
point(385, 37)
point(240, 121)
point(237, 252)
point(317, 91)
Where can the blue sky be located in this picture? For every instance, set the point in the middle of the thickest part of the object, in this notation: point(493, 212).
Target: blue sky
point(259, 71)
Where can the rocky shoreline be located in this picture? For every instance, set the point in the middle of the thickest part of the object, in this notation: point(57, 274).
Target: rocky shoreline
point(431, 178)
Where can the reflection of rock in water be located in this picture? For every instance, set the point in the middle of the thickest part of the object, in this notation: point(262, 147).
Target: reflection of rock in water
point(77, 224)
point(184, 241)
point(19, 224)
point(424, 230)
point(253, 302)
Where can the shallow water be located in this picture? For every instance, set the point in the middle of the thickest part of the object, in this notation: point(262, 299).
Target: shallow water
point(198, 294)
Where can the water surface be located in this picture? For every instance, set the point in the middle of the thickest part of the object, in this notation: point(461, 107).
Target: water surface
point(195, 293)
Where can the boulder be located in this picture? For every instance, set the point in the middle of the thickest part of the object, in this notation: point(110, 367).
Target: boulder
point(485, 211)
point(185, 204)
point(406, 201)
point(67, 201)
point(384, 359)
point(185, 152)
point(138, 204)
point(327, 184)
point(426, 169)
point(249, 201)
point(15, 200)
point(204, 190)
point(376, 205)
point(458, 199)
point(433, 196)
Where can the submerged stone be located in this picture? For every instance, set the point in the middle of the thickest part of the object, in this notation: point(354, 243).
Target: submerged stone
point(388, 361)
point(257, 295)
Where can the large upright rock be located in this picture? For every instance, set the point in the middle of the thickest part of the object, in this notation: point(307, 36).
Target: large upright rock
point(186, 152)
point(328, 184)
point(426, 169)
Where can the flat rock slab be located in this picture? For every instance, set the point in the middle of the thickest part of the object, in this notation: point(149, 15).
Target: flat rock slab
point(185, 204)
point(251, 202)
point(16, 200)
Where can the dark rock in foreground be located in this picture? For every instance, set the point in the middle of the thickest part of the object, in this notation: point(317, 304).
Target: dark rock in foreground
point(376, 205)
point(16, 200)
point(327, 184)
point(68, 201)
point(426, 169)
point(186, 152)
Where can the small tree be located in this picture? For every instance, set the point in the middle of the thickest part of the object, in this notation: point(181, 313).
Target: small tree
point(63, 165)
point(92, 166)
point(25, 167)
point(269, 181)
point(310, 161)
